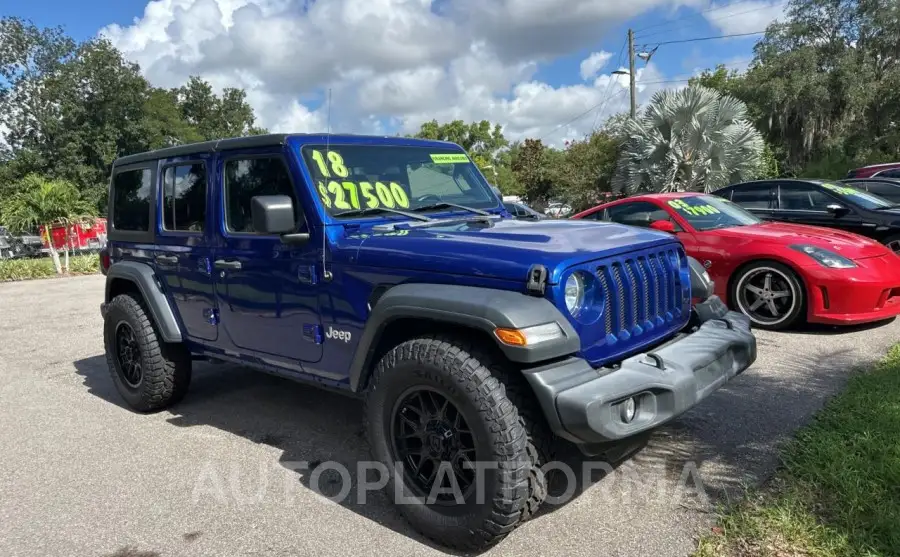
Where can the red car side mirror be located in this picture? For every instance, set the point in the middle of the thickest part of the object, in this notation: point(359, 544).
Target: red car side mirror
point(663, 226)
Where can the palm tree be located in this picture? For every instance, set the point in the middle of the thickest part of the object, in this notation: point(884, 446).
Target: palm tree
point(693, 139)
point(43, 202)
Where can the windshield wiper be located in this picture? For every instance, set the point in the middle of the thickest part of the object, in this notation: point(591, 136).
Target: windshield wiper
point(442, 204)
point(375, 210)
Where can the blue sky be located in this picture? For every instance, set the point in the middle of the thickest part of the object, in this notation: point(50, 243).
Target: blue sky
point(526, 67)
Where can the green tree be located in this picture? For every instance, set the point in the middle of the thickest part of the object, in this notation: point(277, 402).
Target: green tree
point(694, 139)
point(41, 202)
point(213, 116)
point(824, 86)
point(534, 167)
point(478, 138)
point(586, 168)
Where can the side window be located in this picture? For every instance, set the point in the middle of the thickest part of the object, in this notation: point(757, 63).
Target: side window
point(885, 190)
point(639, 213)
point(131, 200)
point(184, 197)
point(803, 197)
point(513, 209)
point(753, 197)
point(892, 173)
point(247, 178)
point(596, 215)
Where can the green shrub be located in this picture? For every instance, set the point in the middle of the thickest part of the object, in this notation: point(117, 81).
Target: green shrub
point(42, 267)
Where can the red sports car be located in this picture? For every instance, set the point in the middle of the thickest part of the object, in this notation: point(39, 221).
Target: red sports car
point(774, 272)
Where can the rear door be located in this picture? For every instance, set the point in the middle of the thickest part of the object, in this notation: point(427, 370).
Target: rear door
point(758, 198)
point(184, 243)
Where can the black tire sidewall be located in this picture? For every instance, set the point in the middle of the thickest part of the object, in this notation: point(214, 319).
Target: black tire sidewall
point(118, 312)
point(795, 282)
point(453, 521)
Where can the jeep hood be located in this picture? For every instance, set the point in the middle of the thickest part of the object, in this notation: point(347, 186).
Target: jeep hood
point(503, 249)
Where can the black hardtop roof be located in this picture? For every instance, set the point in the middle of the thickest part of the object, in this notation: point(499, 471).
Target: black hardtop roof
point(216, 145)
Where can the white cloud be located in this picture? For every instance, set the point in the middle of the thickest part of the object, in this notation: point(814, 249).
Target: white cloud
point(745, 17)
point(390, 63)
point(591, 65)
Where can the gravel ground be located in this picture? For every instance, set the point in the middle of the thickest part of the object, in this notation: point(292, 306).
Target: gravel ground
point(82, 475)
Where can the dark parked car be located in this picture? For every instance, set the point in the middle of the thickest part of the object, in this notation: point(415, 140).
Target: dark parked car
point(820, 203)
point(18, 246)
point(888, 188)
point(887, 170)
point(523, 212)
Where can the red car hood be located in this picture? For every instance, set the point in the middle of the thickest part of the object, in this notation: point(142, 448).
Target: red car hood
point(849, 245)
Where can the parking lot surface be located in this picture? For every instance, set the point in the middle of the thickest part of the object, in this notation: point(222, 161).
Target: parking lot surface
point(217, 475)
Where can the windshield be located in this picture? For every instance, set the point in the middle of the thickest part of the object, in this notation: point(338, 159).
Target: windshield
point(353, 177)
point(858, 197)
point(706, 212)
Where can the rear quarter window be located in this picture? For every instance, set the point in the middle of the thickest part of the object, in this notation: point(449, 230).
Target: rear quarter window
point(132, 196)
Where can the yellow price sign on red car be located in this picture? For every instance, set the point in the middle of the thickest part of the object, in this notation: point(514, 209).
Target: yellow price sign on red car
point(345, 195)
point(693, 210)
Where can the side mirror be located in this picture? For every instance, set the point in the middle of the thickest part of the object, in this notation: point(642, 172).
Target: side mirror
point(835, 209)
point(663, 226)
point(274, 214)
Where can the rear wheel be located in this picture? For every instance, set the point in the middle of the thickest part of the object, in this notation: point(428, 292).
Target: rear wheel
point(458, 449)
point(149, 373)
point(770, 294)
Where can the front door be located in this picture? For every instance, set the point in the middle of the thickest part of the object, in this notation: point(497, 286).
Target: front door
point(267, 290)
point(182, 253)
point(805, 203)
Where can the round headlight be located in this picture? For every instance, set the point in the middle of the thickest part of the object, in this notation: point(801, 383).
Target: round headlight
point(574, 293)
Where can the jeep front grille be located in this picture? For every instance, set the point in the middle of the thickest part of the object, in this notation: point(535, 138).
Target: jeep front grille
point(640, 292)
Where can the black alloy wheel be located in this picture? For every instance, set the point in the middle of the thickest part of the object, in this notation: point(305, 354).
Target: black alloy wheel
point(430, 432)
point(128, 355)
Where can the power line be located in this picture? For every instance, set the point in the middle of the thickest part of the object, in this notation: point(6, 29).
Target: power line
point(709, 38)
point(713, 19)
point(580, 116)
point(609, 83)
point(692, 16)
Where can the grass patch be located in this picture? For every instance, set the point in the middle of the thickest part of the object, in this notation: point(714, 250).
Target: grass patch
point(838, 491)
point(42, 267)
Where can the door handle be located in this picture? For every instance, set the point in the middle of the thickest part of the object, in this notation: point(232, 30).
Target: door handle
point(166, 259)
point(223, 264)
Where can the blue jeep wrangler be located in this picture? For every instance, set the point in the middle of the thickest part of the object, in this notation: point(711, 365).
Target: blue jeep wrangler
point(388, 267)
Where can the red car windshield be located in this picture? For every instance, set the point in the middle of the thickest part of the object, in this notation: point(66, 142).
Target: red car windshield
point(706, 212)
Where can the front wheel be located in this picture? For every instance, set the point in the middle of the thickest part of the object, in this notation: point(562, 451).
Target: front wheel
point(893, 243)
point(770, 294)
point(460, 458)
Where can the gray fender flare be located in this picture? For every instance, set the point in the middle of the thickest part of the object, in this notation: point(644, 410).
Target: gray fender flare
point(143, 277)
point(484, 309)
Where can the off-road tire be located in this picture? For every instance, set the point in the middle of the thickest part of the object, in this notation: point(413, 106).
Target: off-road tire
point(166, 368)
point(477, 385)
point(541, 443)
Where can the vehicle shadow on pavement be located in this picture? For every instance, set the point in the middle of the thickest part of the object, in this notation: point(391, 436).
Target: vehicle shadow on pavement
point(724, 444)
point(821, 329)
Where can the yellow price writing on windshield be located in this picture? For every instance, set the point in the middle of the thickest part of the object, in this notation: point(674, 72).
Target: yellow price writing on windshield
point(694, 210)
point(449, 158)
point(348, 195)
point(843, 190)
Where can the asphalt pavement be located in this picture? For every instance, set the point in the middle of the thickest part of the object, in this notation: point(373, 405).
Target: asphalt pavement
point(218, 474)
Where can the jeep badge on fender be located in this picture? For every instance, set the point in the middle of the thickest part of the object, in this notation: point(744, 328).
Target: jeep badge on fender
point(340, 335)
point(479, 342)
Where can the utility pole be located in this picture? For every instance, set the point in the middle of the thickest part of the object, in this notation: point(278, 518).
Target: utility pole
point(631, 73)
